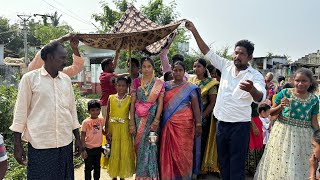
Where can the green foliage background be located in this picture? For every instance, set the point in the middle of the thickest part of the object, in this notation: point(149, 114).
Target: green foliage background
point(8, 95)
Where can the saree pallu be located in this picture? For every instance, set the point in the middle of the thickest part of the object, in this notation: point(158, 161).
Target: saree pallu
point(176, 151)
point(210, 159)
point(208, 86)
point(177, 136)
point(147, 154)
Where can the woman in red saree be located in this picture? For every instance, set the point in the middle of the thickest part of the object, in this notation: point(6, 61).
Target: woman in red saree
point(181, 122)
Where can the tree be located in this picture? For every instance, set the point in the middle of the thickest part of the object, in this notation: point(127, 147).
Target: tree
point(47, 33)
point(155, 10)
point(32, 40)
point(269, 55)
point(224, 52)
point(55, 19)
point(159, 13)
point(107, 18)
point(10, 35)
point(45, 20)
point(5, 30)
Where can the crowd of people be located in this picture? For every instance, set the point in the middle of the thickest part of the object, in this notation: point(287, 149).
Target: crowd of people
point(225, 119)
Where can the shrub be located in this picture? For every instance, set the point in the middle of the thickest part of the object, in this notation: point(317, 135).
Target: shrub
point(93, 96)
point(15, 170)
point(8, 96)
point(80, 103)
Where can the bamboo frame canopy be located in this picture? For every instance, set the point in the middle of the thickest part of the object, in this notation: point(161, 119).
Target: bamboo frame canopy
point(135, 32)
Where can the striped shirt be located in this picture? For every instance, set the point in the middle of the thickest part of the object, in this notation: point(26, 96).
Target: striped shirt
point(3, 154)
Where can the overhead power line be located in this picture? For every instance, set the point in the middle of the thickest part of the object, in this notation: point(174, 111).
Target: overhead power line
point(79, 19)
point(63, 6)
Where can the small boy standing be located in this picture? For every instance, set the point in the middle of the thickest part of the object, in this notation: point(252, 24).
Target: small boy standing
point(91, 138)
point(264, 113)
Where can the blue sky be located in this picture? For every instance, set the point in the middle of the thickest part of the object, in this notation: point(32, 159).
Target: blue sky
point(282, 27)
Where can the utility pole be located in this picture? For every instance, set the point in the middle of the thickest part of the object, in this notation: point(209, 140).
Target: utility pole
point(44, 18)
point(25, 19)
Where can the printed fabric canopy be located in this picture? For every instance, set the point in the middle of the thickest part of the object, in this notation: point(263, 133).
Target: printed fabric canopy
point(133, 32)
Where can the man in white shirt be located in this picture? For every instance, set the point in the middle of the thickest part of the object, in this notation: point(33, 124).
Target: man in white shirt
point(240, 85)
point(45, 116)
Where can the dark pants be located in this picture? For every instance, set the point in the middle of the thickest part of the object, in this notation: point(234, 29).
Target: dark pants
point(232, 145)
point(50, 164)
point(92, 163)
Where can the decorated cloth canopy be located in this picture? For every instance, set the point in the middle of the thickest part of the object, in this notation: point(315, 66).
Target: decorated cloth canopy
point(133, 32)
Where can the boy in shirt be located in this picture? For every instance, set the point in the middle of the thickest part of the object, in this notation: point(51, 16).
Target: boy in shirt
point(91, 138)
point(107, 78)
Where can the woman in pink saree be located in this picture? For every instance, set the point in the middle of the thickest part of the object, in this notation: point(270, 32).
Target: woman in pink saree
point(146, 107)
point(181, 123)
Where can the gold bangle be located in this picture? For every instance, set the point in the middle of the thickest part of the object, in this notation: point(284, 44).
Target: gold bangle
point(199, 124)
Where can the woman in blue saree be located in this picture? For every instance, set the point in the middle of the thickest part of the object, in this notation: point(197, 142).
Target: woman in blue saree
point(181, 123)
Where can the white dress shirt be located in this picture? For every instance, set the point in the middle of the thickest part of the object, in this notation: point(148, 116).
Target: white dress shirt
point(45, 111)
point(233, 104)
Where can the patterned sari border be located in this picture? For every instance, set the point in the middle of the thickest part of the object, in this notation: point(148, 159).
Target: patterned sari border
point(173, 104)
point(153, 96)
point(147, 178)
point(208, 86)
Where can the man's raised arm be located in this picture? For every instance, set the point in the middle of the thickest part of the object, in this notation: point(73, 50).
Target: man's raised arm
point(204, 48)
point(78, 61)
point(215, 60)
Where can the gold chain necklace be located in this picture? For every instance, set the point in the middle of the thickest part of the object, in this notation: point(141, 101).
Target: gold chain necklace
point(120, 100)
point(146, 86)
